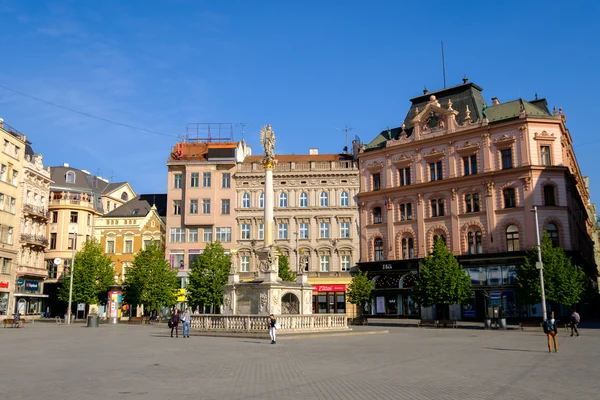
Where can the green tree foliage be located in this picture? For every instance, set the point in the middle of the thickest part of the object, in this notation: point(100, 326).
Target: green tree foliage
point(360, 288)
point(442, 280)
point(207, 276)
point(285, 273)
point(93, 273)
point(151, 281)
point(563, 283)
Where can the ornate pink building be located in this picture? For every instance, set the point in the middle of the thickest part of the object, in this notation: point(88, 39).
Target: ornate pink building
point(470, 174)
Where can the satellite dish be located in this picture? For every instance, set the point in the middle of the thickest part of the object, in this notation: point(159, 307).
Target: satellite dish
point(57, 261)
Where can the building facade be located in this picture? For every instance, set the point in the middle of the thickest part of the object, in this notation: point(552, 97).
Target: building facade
point(470, 174)
point(316, 220)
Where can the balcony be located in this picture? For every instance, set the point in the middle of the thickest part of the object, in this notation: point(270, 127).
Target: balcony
point(302, 166)
point(28, 270)
point(36, 211)
point(34, 240)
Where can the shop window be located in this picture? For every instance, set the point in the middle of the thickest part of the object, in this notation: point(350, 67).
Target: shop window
point(329, 303)
point(549, 199)
point(512, 238)
point(378, 249)
point(553, 233)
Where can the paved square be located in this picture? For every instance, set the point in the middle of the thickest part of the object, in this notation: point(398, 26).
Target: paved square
point(44, 361)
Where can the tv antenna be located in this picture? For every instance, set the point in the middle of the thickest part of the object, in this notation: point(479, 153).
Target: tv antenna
point(345, 130)
point(443, 65)
point(242, 124)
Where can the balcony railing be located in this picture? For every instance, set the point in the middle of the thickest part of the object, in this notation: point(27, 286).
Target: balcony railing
point(34, 239)
point(29, 270)
point(36, 210)
point(302, 166)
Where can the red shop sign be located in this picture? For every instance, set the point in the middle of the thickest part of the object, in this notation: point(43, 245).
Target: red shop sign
point(3, 285)
point(329, 288)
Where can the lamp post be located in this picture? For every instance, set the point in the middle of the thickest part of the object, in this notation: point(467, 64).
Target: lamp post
point(539, 264)
point(75, 235)
point(297, 251)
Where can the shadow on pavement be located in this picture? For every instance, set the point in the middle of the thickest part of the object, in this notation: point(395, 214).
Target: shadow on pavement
point(501, 349)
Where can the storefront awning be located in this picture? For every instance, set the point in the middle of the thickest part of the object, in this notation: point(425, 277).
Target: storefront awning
point(29, 295)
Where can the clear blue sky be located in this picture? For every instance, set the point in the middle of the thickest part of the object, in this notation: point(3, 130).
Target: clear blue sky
point(306, 67)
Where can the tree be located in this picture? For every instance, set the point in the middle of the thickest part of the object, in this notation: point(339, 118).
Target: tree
point(360, 289)
point(93, 273)
point(563, 283)
point(151, 281)
point(207, 276)
point(442, 280)
point(285, 273)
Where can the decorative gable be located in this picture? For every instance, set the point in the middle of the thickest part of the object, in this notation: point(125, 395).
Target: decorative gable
point(435, 118)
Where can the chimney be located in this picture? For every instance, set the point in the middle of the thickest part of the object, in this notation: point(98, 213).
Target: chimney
point(495, 101)
point(313, 151)
point(66, 165)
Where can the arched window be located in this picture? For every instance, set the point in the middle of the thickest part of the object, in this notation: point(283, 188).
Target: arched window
point(344, 199)
point(246, 200)
point(303, 199)
point(512, 238)
point(377, 219)
point(474, 240)
point(261, 200)
point(283, 200)
point(70, 177)
point(439, 236)
point(408, 248)
point(324, 199)
point(124, 196)
point(553, 233)
point(378, 249)
point(549, 199)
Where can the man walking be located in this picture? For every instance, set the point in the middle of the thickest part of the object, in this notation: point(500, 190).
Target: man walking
point(185, 318)
point(550, 331)
point(175, 323)
point(272, 328)
point(575, 318)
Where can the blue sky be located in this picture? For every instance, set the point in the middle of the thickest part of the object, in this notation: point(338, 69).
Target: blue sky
point(306, 67)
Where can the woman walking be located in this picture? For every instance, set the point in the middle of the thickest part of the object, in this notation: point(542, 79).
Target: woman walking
point(175, 323)
point(272, 328)
point(551, 332)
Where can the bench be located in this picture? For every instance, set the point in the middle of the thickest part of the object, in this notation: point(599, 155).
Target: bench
point(431, 322)
point(137, 320)
point(358, 321)
point(446, 323)
point(10, 321)
point(530, 324)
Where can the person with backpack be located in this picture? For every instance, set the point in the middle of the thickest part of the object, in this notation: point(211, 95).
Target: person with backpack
point(575, 319)
point(551, 332)
point(185, 318)
point(272, 328)
point(174, 323)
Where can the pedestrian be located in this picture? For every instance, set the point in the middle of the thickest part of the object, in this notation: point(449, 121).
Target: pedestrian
point(185, 318)
point(575, 319)
point(272, 328)
point(175, 322)
point(551, 332)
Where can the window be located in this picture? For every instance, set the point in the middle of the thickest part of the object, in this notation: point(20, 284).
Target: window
point(124, 196)
point(223, 234)
point(324, 199)
point(440, 236)
point(378, 248)
point(408, 248)
point(345, 262)
point(3, 172)
point(12, 205)
point(177, 235)
point(376, 181)
point(303, 199)
point(128, 246)
point(261, 200)
point(5, 265)
point(53, 241)
point(110, 246)
point(303, 230)
point(261, 231)
point(69, 177)
point(474, 242)
point(177, 181)
point(193, 235)
point(506, 156)
point(225, 206)
point(282, 231)
point(74, 217)
point(512, 238)
point(549, 199)
point(323, 230)
point(509, 198)
point(553, 233)
point(245, 231)
point(89, 219)
point(206, 179)
point(246, 200)
point(194, 206)
point(108, 205)
point(245, 264)
point(226, 180)
point(9, 236)
point(207, 235)
point(283, 200)
point(205, 206)
point(472, 203)
point(324, 261)
point(195, 179)
point(377, 218)
point(436, 172)
point(406, 212)
point(344, 199)
point(146, 244)
point(470, 164)
point(176, 207)
point(345, 230)
point(2, 202)
point(404, 176)
point(437, 208)
point(70, 242)
point(545, 155)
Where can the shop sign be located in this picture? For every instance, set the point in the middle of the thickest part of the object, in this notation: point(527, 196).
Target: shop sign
point(329, 288)
point(180, 295)
point(495, 294)
point(32, 286)
point(470, 313)
point(20, 282)
point(3, 285)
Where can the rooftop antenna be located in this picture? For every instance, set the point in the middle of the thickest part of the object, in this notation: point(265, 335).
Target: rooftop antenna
point(443, 65)
point(112, 175)
point(345, 130)
point(242, 124)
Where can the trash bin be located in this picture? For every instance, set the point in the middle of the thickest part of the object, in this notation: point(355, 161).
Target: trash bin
point(92, 321)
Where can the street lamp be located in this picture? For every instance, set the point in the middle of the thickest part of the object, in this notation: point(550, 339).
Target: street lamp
point(297, 233)
point(75, 235)
point(539, 264)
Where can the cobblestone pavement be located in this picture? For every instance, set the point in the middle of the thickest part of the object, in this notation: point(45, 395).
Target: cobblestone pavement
point(135, 362)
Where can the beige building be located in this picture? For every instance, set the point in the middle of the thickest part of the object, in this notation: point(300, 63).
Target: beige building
point(316, 217)
point(11, 179)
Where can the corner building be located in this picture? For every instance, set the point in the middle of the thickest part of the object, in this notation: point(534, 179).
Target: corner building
point(469, 173)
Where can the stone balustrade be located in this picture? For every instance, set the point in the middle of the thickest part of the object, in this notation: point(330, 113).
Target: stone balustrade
point(260, 323)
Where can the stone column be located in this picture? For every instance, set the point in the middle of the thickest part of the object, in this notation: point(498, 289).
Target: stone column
point(269, 198)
